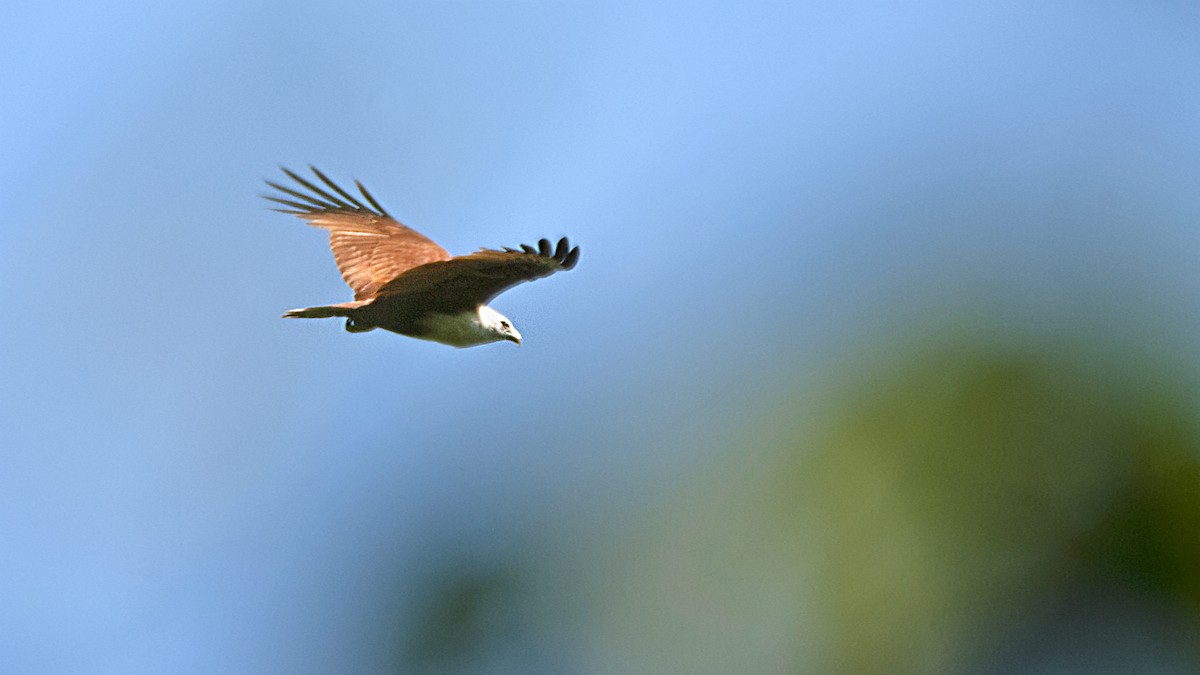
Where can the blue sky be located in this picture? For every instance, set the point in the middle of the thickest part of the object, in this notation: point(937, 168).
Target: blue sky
point(184, 477)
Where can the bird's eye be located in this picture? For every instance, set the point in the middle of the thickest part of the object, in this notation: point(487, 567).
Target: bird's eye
point(504, 324)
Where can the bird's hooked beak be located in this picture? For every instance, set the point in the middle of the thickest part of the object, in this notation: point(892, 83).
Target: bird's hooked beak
point(513, 337)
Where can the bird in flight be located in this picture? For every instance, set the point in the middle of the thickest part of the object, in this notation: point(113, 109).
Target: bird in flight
point(404, 282)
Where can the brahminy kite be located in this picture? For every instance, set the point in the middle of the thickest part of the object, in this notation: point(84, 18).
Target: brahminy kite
point(404, 282)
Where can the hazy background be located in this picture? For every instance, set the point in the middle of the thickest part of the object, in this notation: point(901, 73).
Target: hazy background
point(881, 355)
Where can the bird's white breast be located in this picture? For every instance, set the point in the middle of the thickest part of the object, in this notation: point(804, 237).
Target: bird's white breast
point(458, 330)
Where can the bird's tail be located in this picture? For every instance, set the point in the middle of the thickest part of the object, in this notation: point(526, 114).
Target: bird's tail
point(344, 309)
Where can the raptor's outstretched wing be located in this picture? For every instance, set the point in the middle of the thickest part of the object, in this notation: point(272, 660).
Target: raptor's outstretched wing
point(466, 281)
point(370, 247)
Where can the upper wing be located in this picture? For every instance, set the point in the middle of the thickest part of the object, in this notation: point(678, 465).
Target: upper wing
point(370, 247)
point(467, 281)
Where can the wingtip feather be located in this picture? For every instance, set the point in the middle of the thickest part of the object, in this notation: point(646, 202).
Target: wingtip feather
point(561, 253)
point(571, 258)
point(337, 188)
point(370, 198)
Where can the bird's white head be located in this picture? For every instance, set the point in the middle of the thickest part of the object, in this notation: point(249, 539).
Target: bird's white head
point(498, 325)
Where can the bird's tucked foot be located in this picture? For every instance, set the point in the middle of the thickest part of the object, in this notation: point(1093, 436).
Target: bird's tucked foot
point(353, 326)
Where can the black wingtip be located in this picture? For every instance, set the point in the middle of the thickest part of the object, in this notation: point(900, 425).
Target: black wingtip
point(370, 198)
point(318, 198)
point(571, 259)
point(562, 253)
point(337, 188)
point(295, 207)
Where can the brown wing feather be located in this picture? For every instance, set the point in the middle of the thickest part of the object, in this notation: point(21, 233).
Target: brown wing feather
point(370, 247)
point(466, 281)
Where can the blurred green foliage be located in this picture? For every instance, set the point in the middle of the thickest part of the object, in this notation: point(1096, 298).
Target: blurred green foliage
point(464, 614)
point(968, 501)
point(957, 494)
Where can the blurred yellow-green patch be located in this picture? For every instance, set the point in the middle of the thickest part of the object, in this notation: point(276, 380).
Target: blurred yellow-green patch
point(961, 502)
